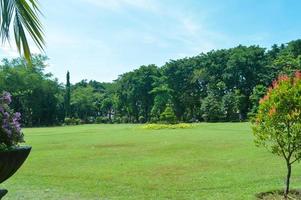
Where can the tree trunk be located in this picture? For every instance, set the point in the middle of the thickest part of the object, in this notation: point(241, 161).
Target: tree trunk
point(289, 169)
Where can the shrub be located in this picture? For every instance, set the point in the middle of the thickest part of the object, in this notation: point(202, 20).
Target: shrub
point(277, 125)
point(68, 121)
point(212, 109)
point(78, 121)
point(90, 120)
point(125, 119)
point(10, 128)
point(102, 120)
point(141, 119)
point(116, 120)
point(168, 116)
point(167, 126)
point(72, 121)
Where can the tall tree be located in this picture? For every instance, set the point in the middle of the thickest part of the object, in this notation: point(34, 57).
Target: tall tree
point(67, 95)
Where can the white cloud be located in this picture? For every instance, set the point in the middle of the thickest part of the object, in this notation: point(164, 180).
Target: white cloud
point(9, 50)
point(120, 4)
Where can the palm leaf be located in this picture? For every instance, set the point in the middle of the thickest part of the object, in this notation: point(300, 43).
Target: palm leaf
point(24, 14)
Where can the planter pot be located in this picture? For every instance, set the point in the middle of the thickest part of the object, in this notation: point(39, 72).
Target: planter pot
point(10, 161)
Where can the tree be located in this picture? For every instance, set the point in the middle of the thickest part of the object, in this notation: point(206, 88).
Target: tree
point(83, 101)
point(37, 95)
point(277, 125)
point(211, 108)
point(134, 94)
point(67, 95)
point(24, 15)
point(162, 96)
point(257, 93)
point(185, 92)
point(230, 106)
point(168, 116)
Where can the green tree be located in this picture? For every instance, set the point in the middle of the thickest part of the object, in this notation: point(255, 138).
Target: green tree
point(277, 125)
point(168, 116)
point(37, 95)
point(212, 109)
point(161, 92)
point(83, 102)
point(67, 95)
point(134, 92)
point(185, 92)
point(230, 106)
point(257, 93)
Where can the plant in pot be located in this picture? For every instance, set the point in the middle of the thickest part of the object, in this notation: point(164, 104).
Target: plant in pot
point(12, 155)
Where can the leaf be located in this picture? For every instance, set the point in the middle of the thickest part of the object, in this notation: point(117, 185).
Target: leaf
point(24, 14)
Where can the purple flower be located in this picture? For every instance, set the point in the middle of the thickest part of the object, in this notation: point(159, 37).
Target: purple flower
point(6, 97)
point(6, 115)
point(10, 127)
point(7, 130)
point(17, 116)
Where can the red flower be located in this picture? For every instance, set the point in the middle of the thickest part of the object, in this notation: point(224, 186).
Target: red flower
point(266, 97)
point(298, 75)
point(275, 84)
point(283, 78)
point(272, 111)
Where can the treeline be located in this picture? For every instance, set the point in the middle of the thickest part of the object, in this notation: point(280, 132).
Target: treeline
point(221, 85)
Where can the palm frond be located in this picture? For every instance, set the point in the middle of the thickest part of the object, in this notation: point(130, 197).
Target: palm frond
point(24, 14)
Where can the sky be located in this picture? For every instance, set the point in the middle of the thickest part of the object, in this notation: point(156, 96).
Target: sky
point(101, 39)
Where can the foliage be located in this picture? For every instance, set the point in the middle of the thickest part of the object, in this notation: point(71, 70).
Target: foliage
point(257, 93)
point(230, 106)
point(104, 120)
point(10, 128)
point(221, 85)
point(68, 96)
point(211, 108)
point(277, 125)
point(72, 121)
point(167, 126)
point(37, 95)
point(83, 102)
point(24, 15)
point(168, 116)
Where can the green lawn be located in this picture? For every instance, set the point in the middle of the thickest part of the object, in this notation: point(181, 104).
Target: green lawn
point(209, 161)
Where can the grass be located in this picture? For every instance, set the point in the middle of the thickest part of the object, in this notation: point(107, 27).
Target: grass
point(207, 161)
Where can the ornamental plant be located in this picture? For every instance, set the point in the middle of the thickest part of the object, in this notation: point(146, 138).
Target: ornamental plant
point(168, 116)
point(277, 124)
point(10, 128)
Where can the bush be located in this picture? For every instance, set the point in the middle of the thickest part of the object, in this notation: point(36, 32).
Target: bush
point(10, 128)
point(212, 109)
point(116, 120)
point(102, 120)
point(141, 119)
point(167, 126)
point(90, 120)
point(125, 119)
point(168, 116)
point(72, 121)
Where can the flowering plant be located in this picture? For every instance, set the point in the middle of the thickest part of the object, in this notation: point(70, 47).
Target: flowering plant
point(277, 125)
point(10, 128)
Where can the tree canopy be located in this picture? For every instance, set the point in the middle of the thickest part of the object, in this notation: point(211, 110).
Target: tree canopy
point(221, 85)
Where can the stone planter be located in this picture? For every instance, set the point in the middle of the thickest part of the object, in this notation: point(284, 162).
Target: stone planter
point(10, 161)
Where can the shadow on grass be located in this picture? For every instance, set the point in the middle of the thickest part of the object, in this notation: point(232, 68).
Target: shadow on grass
point(279, 195)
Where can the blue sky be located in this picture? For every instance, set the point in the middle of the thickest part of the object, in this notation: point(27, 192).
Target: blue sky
point(101, 39)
